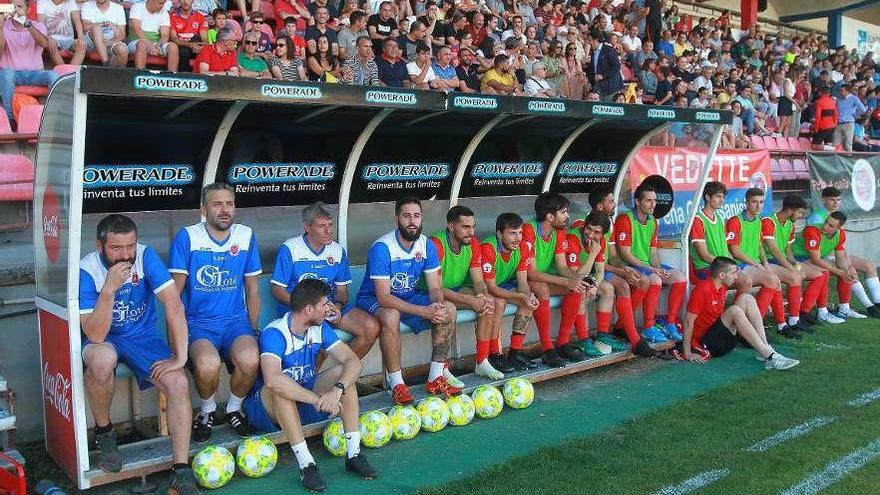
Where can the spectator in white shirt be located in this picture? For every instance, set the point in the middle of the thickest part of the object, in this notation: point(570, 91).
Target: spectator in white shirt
point(104, 24)
point(420, 71)
point(631, 41)
point(61, 28)
point(151, 34)
point(536, 84)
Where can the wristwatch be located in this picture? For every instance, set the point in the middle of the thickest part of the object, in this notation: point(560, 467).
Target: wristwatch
point(340, 386)
point(28, 24)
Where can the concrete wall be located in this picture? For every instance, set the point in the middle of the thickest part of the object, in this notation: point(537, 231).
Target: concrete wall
point(850, 35)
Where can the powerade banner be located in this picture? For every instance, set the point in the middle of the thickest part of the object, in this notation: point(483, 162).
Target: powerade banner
point(109, 188)
point(376, 182)
point(485, 178)
point(282, 183)
point(855, 176)
point(576, 177)
point(739, 170)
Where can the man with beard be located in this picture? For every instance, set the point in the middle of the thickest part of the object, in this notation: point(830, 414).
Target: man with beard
point(291, 391)
point(216, 266)
point(549, 275)
point(389, 292)
point(315, 254)
point(461, 275)
point(117, 307)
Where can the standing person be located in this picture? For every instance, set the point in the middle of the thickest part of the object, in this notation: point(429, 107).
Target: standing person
point(291, 391)
point(636, 233)
point(118, 286)
point(315, 254)
point(824, 120)
point(216, 266)
point(849, 108)
point(395, 264)
point(604, 66)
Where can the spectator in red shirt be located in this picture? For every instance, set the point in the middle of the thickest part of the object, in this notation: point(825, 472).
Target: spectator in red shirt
point(710, 330)
point(825, 119)
point(219, 58)
point(189, 31)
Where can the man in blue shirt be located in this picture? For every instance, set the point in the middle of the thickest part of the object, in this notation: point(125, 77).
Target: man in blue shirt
point(315, 254)
point(389, 292)
point(291, 391)
point(849, 108)
point(118, 284)
point(216, 266)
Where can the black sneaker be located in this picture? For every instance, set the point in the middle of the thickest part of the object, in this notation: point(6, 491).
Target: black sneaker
point(789, 332)
point(239, 423)
point(873, 311)
point(803, 326)
point(359, 465)
point(809, 319)
point(644, 349)
point(202, 425)
point(572, 352)
point(519, 361)
point(108, 452)
point(552, 359)
point(500, 363)
point(311, 479)
point(182, 482)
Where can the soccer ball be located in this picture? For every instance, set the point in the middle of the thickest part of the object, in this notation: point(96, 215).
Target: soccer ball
point(518, 393)
point(256, 456)
point(461, 410)
point(334, 438)
point(405, 422)
point(213, 467)
point(434, 413)
point(488, 401)
point(375, 429)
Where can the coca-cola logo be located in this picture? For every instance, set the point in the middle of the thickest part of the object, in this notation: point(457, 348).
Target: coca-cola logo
point(51, 225)
point(57, 391)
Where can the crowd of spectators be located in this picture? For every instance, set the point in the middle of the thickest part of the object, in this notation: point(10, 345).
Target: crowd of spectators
point(632, 51)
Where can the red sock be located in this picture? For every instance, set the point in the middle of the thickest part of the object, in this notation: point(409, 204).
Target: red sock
point(652, 299)
point(637, 296)
point(676, 297)
point(542, 321)
point(603, 321)
point(580, 326)
point(794, 300)
point(811, 294)
point(765, 296)
point(823, 293)
point(571, 304)
point(626, 320)
point(482, 350)
point(516, 341)
point(778, 307)
point(844, 291)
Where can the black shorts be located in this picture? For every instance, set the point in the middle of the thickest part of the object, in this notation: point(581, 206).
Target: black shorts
point(719, 340)
point(824, 137)
point(785, 108)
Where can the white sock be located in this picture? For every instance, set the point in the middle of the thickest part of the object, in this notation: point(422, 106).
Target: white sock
point(859, 291)
point(844, 306)
point(793, 320)
point(209, 405)
point(234, 403)
point(780, 326)
point(394, 378)
point(822, 312)
point(873, 284)
point(436, 370)
point(303, 456)
point(352, 444)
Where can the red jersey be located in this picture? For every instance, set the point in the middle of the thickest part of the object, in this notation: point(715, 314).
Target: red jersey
point(813, 238)
point(216, 62)
point(768, 230)
point(576, 251)
point(491, 256)
point(826, 114)
point(624, 232)
point(188, 28)
point(707, 304)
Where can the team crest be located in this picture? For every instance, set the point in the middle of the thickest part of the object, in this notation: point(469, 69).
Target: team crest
point(418, 256)
point(330, 260)
point(487, 267)
point(572, 258)
point(233, 250)
point(134, 278)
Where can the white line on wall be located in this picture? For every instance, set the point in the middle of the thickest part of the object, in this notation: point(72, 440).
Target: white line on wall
point(695, 483)
point(793, 432)
point(835, 471)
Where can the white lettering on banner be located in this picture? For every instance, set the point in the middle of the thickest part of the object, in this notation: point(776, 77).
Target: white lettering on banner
point(608, 110)
point(404, 171)
point(50, 226)
point(57, 391)
point(684, 168)
point(475, 102)
point(547, 106)
point(163, 83)
point(659, 113)
point(495, 170)
point(98, 176)
point(295, 92)
point(391, 97)
point(709, 116)
point(280, 172)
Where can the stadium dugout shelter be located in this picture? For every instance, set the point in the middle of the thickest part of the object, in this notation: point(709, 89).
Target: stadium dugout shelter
point(144, 144)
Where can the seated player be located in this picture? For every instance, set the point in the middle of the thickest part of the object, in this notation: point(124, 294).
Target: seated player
point(854, 266)
point(778, 233)
point(291, 391)
point(461, 274)
point(745, 246)
point(118, 285)
point(395, 263)
point(549, 275)
point(814, 246)
point(587, 251)
point(314, 254)
point(216, 266)
point(506, 259)
point(712, 331)
point(636, 232)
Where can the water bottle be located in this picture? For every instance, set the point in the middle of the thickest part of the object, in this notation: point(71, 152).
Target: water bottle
point(46, 487)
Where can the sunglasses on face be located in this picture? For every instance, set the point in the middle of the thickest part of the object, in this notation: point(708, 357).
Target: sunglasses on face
point(281, 45)
point(249, 42)
point(257, 22)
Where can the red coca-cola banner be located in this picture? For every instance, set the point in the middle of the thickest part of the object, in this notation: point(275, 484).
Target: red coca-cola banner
point(58, 407)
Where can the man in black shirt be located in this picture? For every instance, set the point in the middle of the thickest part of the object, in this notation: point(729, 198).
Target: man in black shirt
point(382, 26)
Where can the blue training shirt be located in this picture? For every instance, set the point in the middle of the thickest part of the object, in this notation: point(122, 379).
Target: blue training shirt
point(134, 306)
point(297, 260)
point(388, 260)
point(298, 354)
point(215, 271)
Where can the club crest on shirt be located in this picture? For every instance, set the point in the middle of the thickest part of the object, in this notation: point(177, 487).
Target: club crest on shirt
point(418, 256)
point(134, 278)
point(233, 250)
point(330, 260)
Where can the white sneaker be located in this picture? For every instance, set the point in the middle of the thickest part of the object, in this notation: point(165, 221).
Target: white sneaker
point(849, 313)
point(830, 318)
point(603, 347)
point(486, 370)
point(759, 358)
point(779, 362)
point(455, 382)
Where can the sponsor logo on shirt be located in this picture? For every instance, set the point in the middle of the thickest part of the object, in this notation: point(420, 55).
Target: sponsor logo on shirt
point(402, 282)
point(390, 97)
point(174, 84)
point(125, 313)
point(212, 278)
